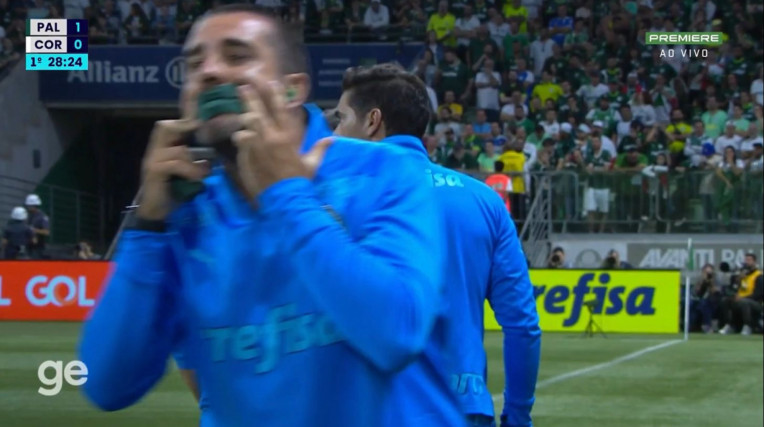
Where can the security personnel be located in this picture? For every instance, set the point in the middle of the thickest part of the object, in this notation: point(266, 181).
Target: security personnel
point(17, 236)
point(40, 224)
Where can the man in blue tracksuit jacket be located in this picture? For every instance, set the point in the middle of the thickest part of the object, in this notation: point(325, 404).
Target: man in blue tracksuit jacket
point(485, 258)
point(299, 311)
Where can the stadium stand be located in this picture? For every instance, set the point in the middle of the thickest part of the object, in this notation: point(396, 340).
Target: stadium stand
point(681, 136)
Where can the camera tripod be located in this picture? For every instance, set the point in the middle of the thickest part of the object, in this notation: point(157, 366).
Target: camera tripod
point(592, 327)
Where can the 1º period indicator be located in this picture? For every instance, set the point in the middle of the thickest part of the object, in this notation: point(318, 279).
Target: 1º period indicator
point(56, 62)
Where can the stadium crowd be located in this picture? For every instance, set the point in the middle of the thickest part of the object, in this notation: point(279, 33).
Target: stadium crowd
point(570, 87)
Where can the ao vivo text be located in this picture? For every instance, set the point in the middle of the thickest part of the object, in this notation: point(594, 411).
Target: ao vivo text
point(49, 290)
point(75, 373)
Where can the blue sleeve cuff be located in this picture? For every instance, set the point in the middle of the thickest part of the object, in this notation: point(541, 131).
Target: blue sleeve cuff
point(142, 255)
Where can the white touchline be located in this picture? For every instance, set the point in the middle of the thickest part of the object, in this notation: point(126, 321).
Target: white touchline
point(583, 371)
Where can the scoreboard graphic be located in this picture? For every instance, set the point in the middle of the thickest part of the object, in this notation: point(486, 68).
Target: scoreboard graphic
point(57, 44)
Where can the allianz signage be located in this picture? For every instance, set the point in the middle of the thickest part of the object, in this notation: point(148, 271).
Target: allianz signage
point(154, 74)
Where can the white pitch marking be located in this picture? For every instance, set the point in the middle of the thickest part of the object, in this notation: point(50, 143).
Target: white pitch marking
point(583, 371)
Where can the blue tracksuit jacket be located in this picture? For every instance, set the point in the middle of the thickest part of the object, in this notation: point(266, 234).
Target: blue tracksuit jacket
point(289, 315)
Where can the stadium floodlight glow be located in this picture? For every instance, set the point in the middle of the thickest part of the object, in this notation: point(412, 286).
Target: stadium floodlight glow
point(690, 38)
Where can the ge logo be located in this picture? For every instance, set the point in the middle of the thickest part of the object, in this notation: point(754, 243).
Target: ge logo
point(175, 72)
point(74, 373)
point(59, 290)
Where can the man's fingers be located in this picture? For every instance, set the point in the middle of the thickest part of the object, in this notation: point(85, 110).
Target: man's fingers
point(249, 98)
point(174, 161)
point(243, 138)
point(167, 133)
point(279, 103)
point(315, 156)
point(267, 94)
point(188, 102)
point(253, 122)
point(183, 169)
point(255, 114)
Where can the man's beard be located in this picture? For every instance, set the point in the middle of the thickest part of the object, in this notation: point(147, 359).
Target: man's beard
point(217, 133)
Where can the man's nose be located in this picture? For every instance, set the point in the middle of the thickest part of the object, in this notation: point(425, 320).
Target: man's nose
point(212, 71)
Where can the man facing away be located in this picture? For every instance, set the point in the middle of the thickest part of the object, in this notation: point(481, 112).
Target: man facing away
point(293, 287)
point(485, 258)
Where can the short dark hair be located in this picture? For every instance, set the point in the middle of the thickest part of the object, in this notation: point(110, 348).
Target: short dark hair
point(558, 249)
point(287, 38)
point(752, 255)
point(401, 96)
point(498, 166)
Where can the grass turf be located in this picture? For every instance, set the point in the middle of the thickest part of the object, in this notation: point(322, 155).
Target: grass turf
point(708, 381)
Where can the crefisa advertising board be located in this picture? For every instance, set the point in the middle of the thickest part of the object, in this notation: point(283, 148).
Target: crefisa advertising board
point(625, 301)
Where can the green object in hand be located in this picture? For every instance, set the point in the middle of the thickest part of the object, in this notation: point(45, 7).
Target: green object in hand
point(222, 99)
point(183, 190)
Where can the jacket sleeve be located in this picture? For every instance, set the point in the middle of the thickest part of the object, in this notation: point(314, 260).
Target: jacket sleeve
point(128, 338)
point(382, 291)
point(511, 297)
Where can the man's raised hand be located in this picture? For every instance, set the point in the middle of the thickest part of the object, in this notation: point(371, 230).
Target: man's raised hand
point(268, 146)
point(166, 157)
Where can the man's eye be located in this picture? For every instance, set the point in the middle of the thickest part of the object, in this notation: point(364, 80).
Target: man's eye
point(236, 58)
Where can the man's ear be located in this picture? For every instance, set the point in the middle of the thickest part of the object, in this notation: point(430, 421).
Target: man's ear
point(297, 87)
point(373, 123)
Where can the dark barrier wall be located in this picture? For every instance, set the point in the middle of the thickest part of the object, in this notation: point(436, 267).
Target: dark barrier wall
point(153, 74)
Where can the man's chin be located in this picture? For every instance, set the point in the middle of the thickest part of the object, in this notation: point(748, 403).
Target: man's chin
point(217, 133)
point(218, 129)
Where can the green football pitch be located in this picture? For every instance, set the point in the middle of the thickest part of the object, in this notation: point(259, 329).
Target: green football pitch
point(619, 381)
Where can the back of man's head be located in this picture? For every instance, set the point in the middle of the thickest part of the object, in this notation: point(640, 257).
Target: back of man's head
point(401, 97)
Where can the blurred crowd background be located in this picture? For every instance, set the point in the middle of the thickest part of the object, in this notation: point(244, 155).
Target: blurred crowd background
point(633, 136)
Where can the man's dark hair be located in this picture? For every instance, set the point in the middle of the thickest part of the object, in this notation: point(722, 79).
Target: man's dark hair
point(752, 255)
point(558, 249)
point(286, 38)
point(498, 166)
point(400, 96)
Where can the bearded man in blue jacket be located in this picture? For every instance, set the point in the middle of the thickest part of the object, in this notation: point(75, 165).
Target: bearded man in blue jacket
point(293, 284)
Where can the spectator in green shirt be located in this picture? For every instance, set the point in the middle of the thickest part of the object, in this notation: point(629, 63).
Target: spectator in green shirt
point(185, 17)
point(477, 50)
point(461, 158)
point(578, 40)
point(616, 96)
point(741, 123)
point(597, 196)
point(487, 158)
point(471, 141)
point(453, 75)
point(630, 163)
point(714, 119)
point(604, 114)
point(435, 151)
point(631, 159)
point(537, 136)
point(731, 91)
point(521, 120)
point(556, 64)
point(576, 73)
point(740, 66)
